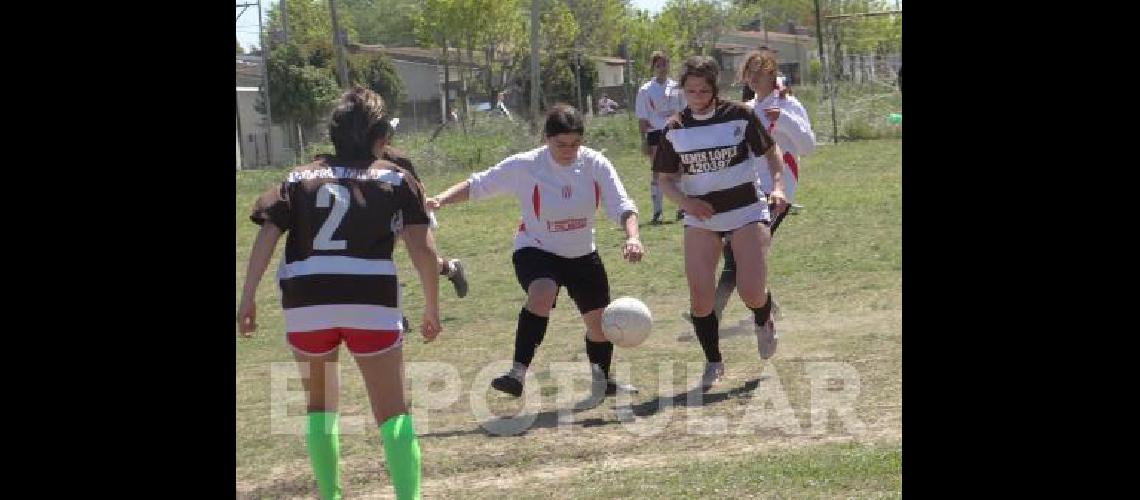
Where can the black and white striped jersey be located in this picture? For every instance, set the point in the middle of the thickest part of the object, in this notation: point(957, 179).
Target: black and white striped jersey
point(341, 221)
point(715, 156)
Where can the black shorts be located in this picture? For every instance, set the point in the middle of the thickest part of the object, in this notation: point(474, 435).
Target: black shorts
point(653, 138)
point(777, 220)
point(584, 277)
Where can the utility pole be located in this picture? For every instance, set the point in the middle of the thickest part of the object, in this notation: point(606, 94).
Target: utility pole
point(284, 21)
point(534, 89)
point(826, 72)
point(265, 81)
point(294, 129)
point(627, 74)
point(338, 47)
point(578, 76)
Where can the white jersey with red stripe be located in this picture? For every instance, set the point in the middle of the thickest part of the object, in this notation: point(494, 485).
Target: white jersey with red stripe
point(791, 131)
point(656, 102)
point(557, 204)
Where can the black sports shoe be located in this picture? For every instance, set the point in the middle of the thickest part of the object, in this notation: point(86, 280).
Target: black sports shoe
point(680, 214)
point(656, 218)
point(508, 384)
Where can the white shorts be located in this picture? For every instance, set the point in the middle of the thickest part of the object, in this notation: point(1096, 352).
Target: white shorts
point(734, 219)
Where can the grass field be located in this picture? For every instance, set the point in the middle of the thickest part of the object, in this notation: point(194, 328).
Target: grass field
point(836, 269)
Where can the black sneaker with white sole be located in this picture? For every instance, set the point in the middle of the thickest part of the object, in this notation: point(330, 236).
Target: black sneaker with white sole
point(508, 384)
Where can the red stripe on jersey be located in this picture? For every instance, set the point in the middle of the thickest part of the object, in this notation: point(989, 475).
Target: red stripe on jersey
point(536, 201)
point(597, 195)
point(790, 159)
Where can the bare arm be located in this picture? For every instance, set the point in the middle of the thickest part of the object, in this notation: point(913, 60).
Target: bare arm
point(454, 194)
point(259, 257)
point(421, 249)
point(632, 249)
point(776, 169)
point(696, 207)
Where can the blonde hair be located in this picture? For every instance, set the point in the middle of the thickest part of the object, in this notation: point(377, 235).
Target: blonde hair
point(766, 60)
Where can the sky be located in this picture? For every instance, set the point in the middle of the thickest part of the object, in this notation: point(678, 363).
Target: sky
point(247, 23)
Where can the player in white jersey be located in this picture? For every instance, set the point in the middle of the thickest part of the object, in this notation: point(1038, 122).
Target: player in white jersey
point(711, 150)
point(657, 100)
point(559, 188)
point(786, 120)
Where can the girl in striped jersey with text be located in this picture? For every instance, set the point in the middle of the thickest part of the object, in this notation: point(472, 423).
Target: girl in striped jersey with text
point(707, 163)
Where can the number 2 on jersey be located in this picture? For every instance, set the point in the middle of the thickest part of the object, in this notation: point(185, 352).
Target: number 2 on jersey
point(340, 200)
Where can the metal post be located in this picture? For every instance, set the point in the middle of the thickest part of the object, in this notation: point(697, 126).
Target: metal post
point(338, 46)
point(578, 77)
point(265, 83)
point(534, 89)
point(826, 73)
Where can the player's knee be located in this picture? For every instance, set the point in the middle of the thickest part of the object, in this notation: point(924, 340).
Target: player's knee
point(540, 296)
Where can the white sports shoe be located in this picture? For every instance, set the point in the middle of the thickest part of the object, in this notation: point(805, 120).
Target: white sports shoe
point(766, 339)
point(713, 373)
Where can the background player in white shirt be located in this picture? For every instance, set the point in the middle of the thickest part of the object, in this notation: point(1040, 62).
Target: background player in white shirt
point(786, 120)
point(657, 100)
point(559, 188)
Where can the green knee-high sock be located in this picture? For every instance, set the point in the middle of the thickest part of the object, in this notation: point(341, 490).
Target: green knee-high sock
point(324, 452)
point(402, 451)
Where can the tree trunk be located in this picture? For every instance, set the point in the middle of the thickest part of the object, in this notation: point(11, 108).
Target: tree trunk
point(300, 143)
point(446, 93)
point(469, 79)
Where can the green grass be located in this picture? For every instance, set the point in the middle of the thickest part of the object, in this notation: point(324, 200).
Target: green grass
point(825, 471)
point(836, 269)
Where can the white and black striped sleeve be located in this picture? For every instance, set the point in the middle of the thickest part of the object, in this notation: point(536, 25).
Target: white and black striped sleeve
point(411, 200)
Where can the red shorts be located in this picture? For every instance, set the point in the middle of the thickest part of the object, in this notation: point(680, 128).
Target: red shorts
point(359, 342)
